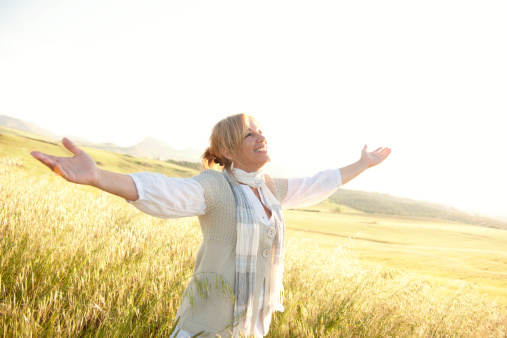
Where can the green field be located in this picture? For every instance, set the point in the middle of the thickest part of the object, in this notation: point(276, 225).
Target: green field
point(438, 250)
point(78, 262)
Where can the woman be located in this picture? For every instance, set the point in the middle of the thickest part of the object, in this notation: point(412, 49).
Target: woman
point(237, 282)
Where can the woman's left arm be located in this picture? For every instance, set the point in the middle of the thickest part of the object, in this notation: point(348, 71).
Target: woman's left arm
point(308, 191)
point(367, 160)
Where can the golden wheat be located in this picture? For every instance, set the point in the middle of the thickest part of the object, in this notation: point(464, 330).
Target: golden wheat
point(78, 262)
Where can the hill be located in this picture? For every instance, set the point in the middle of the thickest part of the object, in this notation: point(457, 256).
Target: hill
point(30, 127)
point(148, 148)
point(385, 204)
point(151, 148)
point(18, 145)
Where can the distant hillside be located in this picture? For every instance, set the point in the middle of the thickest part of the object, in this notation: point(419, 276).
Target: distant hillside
point(151, 148)
point(11, 122)
point(377, 203)
point(193, 165)
point(18, 147)
point(148, 148)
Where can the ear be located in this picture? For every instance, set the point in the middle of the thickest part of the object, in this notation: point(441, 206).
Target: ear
point(227, 154)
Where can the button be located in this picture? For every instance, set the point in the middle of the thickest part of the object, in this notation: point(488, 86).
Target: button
point(265, 253)
point(271, 232)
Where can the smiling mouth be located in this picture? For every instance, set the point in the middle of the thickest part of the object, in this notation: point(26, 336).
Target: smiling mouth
point(261, 149)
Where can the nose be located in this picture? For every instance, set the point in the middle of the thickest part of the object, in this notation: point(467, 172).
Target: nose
point(261, 138)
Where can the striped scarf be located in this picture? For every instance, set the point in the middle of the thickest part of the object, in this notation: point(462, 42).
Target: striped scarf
point(247, 245)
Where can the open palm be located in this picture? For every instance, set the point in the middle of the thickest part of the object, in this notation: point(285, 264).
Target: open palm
point(375, 157)
point(80, 168)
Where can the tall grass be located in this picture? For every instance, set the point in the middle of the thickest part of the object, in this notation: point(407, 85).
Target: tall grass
point(329, 294)
point(78, 262)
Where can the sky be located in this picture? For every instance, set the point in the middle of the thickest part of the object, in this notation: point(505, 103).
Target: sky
point(427, 79)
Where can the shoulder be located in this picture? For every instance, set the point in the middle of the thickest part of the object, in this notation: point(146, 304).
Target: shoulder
point(278, 186)
point(210, 177)
point(217, 190)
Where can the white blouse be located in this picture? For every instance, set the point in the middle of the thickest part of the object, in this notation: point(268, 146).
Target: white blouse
point(169, 197)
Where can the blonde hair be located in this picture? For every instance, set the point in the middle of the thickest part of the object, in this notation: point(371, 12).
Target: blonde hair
point(226, 136)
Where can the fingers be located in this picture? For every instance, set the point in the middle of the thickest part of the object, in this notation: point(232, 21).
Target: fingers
point(378, 155)
point(380, 151)
point(384, 153)
point(70, 146)
point(50, 162)
point(45, 159)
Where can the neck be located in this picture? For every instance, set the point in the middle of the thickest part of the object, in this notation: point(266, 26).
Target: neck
point(247, 169)
point(253, 179)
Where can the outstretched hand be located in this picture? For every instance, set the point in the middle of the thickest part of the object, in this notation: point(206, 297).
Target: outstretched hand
point(80, 168)
point(375, 157)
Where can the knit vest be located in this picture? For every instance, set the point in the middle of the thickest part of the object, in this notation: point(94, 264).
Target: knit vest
point(207, 303)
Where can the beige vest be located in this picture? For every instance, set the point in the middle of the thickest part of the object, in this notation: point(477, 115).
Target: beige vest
point(207, 303)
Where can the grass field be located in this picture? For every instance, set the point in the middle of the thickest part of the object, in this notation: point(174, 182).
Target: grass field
point(437, 250)
point(78, 262)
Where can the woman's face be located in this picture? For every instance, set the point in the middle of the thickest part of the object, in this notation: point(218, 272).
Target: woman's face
point(253, 154)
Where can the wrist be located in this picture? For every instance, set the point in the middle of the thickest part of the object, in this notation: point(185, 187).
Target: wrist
point(98, 182)
point(363, 164)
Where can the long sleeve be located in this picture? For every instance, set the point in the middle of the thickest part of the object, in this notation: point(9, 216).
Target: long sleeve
point(168, 197)
point(307, 191)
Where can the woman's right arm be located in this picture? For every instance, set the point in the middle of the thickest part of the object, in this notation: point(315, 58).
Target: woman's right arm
point(155, 194)
point(168, 197)
point(81, 169)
